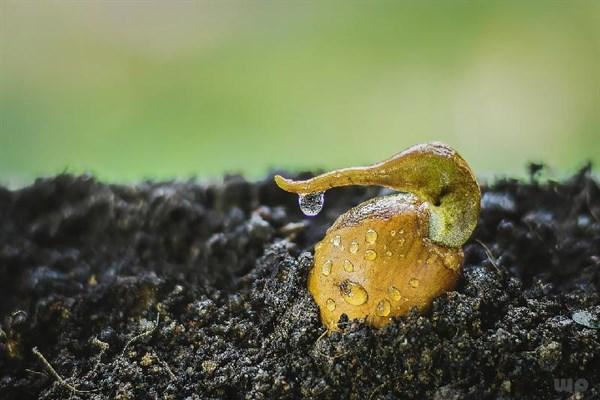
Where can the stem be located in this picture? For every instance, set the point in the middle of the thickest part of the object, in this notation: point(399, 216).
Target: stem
point(434, 172)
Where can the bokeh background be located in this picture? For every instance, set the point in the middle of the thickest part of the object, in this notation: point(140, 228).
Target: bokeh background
point(130, 90)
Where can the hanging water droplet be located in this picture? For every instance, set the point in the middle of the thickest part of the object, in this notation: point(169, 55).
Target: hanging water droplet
point(392, 233)
point(326, 268)
point(394, 293)
point(370, 255)
point(353, 293)
point(354, 247)
point(311, 203)
point(371, 236)
point(383, 308)
point(414, 282)
point(330, 304)
point(388, 253)
point(348, 266)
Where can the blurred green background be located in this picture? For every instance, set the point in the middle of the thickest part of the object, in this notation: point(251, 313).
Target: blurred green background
point(161, 89)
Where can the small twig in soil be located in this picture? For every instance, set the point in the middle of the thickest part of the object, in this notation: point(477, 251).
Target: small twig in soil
point(36, 372)
point(490, 255)
point(142, 335)
point(57, 376)
point(334, 357)
point(321, 336)
point(377, 390)
point(166, 366)
point(103, 346)
point(18, 312)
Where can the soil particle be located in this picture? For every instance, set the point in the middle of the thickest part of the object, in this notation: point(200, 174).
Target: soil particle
point(179, 290)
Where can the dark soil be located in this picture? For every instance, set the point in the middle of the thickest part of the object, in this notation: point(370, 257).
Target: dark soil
point(87, 270)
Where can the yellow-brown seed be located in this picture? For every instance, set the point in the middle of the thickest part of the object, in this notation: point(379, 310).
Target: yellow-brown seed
point(418, 233)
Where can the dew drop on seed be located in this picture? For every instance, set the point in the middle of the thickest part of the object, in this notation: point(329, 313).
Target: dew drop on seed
point(330, 304)
point(353, 293)
point(383, 308)
point(394, 293)
point(311, 203)
point(354, 247)
point(348, 266)
point(336, 241)
point(371, 236)
point(370, 255)
point(414, 282)
point(326, 268)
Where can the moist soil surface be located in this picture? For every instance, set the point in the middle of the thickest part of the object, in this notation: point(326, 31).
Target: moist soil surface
point(181, 290)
